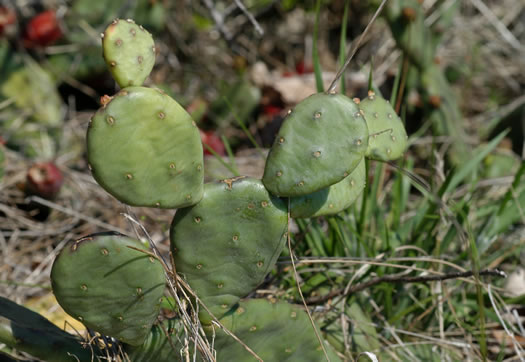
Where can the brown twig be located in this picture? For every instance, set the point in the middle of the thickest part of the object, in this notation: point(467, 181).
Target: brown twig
point(250, 17)
point(401, 279)
point(219, 20)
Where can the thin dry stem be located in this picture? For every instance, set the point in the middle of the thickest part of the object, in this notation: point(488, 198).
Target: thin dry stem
point(299, 286)
point(355, 47)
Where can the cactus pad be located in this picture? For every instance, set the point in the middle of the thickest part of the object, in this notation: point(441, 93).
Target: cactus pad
point(332, 199)
point(108, 286)
point(144, 149)
point(129, 52)
point(275, 331)
point(226, 244)
point(320, 142)
point(388, 138)
point(162, 344)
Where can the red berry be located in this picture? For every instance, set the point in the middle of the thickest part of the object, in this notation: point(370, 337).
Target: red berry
point(44, 179)
point(42, 30)
point(271, 110)
point(213, 141)
point(302, 68)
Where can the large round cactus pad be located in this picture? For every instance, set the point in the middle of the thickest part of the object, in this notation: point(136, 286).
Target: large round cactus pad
point(108, 286)
point(226, 244)
point(387, 136)
point(274, 331)
point(144, 149)
point(129, 52)
point(320, 142)
point(333, 199)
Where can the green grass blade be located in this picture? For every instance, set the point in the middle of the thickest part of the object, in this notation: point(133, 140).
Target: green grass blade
point(364, 202)
point(507, 214)
point(315, 50)
point(233, 170)
point(342, 44)
point(478, 155)
point(246, 131)
point(229, 152)
point(474, 256)
point(395, 87)
point(371, 75)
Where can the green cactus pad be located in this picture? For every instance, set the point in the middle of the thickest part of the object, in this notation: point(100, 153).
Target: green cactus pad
point(388, 138)
point(108, 286)
point(144, 149)
point(158, 346)
point(320, 142)
point(129, 52)
point(274, 331)
point(332, 199)
point(226, 244)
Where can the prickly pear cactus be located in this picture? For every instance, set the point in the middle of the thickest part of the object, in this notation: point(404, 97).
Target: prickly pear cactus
point(388, 138)
point(320, 142)
point(129, 52)
point(226, 244)
point(144, 149)
point(163, 343)
point(108, 286)
point(274, 331)
point(332, 199)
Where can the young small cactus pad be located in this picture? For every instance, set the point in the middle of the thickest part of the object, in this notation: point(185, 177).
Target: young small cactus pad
point(129, 52)
point(388, 138)
point(274, 331)
point(108, 286)
point(227, 243)
point(144, 149)
point(320, 142)
point(332, 199)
